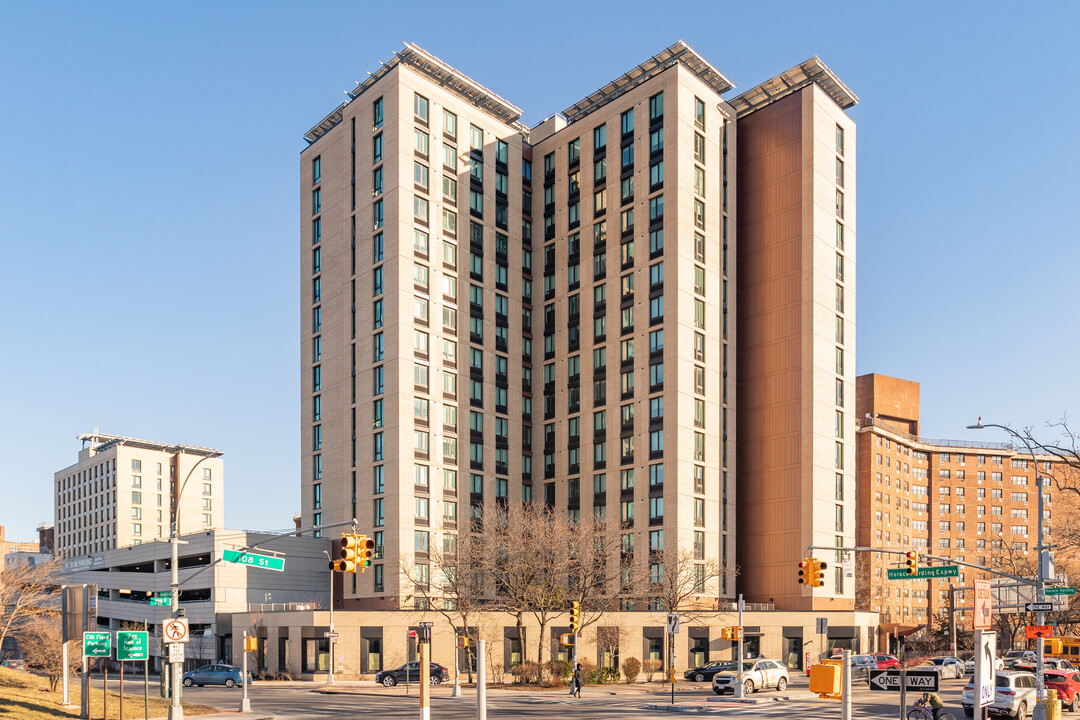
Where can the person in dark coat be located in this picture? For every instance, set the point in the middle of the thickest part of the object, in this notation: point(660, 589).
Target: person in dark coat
point(577, 681)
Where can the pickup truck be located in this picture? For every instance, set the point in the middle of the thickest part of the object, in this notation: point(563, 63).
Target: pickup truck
point(756, 674)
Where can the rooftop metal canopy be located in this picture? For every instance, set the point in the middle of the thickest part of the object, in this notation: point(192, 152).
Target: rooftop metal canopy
point(441, 73)
point(100, 442)
point(798, 77)
point(678, 53)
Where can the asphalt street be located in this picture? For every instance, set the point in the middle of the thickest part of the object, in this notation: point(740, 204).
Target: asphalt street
point(301, 701)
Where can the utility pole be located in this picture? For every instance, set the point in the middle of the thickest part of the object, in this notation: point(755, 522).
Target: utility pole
point(952, 616)
point(1039, 711)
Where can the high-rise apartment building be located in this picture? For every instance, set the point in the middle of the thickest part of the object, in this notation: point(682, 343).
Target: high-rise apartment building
point(972, 501)
point(796, 353)
point(121, 491)
point(494, 313)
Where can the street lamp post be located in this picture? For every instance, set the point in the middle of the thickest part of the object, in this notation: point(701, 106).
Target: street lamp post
point(1039, 711)
point(176, 711)
point(330, 676)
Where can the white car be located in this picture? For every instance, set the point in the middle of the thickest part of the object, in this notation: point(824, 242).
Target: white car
point(969, 664)
point(947, 666)
point(1014, 696)
point(756, 674)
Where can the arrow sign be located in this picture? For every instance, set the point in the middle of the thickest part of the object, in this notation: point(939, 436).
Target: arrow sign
point(1039, 607)
point(925, 680)
point(673, 624)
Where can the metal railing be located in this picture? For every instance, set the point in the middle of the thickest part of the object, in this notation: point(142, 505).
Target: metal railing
point(867, 422)
point(283, 607)
point(747, 607)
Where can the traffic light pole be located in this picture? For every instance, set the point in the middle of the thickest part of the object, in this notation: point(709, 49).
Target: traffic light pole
point(330, 676)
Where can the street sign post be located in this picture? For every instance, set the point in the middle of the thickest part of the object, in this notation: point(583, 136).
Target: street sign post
point(1038, 607)
point(97, 644)
point(131, 645)
point(1060, 591)
point(940, 571)
point(176, 652)
point(266, 562)
point(918, 680)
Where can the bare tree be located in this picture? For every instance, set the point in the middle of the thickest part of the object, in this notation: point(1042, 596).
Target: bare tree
point(682, 583)
point(455, 585)
point(41, 640)
point(25, 592)
point(600, 558)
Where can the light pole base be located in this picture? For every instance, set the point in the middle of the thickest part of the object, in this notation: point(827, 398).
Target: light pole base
point(245, 705)
point(456, 692)
point(1039, 711)
point(176, 712)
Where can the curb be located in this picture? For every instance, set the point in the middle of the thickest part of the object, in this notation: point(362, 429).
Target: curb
point(679, 708)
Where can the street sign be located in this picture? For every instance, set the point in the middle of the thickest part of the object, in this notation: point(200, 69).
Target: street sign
point(131, 645)
point(176, 653)
point(161, 601)
point(176, 630)
point(97, 644)
point(985, 661)
point(983, 609)
point(673, 624)
point(822, 625)
point(1060, 591)
point(924, 680)
point(266, 562)
point(1038, 631)
point(1039, 607)
point(330, 634)
point(940, 571)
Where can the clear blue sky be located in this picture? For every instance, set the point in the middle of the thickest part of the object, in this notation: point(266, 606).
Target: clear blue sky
point(149, 200)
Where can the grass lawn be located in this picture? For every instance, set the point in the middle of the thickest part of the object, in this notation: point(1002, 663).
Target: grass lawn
point(25, 696)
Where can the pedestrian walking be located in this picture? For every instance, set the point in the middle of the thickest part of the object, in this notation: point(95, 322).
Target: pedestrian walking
point(576, 682)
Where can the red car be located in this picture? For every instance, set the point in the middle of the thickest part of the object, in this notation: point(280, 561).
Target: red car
point(886, 661)
point(1067, 684)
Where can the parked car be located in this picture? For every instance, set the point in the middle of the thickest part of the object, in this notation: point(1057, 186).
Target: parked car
point(861, 665)
point(1014, 695)
point(390, 678)
point(11, 664)
point(706, 672)
point(969, 663)
point(947, 666)
point(756, 674)
point(886, 661)
point(1067, 685)
point(1014, 656)
point(227, 675)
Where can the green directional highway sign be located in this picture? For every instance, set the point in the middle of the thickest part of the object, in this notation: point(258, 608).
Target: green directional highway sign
point(267, 562)
point(941, 571)
point(161, 601)
point(1060, 591)
point(97, 644)
point(131, 645)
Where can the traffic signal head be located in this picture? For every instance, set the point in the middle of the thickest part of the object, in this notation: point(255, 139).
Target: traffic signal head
point(365, 547)
point(575, 616)
point(911, 559)
point(347, 563)
point(725, 632)
point(819, 573)
point(251, 643)
point(804, 573)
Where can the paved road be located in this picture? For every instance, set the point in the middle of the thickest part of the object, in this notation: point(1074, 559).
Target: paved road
point(301, 701)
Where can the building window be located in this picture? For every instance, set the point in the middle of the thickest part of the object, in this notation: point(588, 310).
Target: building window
point(656, 106)
point(377, 113)
point(626, 122)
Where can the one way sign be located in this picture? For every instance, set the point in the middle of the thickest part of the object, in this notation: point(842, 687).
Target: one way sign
point(924, 680)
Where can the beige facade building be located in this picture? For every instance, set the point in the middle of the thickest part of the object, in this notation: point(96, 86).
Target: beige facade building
point(121, 492)
point(11, 546)
point(494, 313)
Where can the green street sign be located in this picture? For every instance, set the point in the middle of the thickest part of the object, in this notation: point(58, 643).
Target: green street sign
point(1060, 591)
point(266, 562)
point(161, 601)
point(941, 571)
point(131, 645)
point(97, 644)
